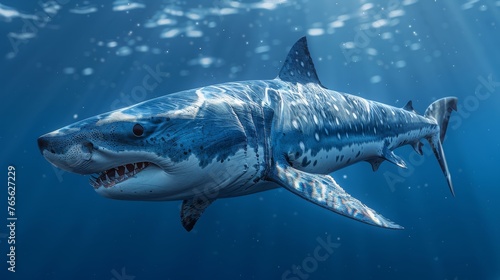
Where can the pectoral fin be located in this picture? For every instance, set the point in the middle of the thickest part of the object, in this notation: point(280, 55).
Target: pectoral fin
point(192, 209)
point(325, 192)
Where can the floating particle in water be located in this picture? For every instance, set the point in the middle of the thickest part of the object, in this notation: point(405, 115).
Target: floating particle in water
point(375, 79)
point(386, 35)
point(205, 61)
point(170, 33)
point(83, 10)
point(193, 33)
point(265, 5)
point(371, 51)
point(349, 45)
point(123, 51)
point(10, 55)
point(130, 42)
point(235, 69)
point(123, 5)
point(159, 19)
point(69, 70)
point(316, 31)
point(51, 7)
point(174, 11)
point(400, 64)
point(166, 21)
point(396, 13)
point(22, 36)
point(366, 7)
point(75, 116)
point(336, 24)
point(112, 44)
point(265, 57)
point(224, 11)
point(344, 17)
point(469, 4)
point(142, 48)
point(415, 46)
point(8, 13)
point(195, 15)
point(379, 23)
point(87, 71)
point(409, 2)
point(262, 49)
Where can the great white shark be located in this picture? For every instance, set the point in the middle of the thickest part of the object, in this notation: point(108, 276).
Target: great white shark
point(239, 138)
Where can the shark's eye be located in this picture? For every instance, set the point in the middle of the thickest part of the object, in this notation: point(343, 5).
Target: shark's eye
point(138, 130)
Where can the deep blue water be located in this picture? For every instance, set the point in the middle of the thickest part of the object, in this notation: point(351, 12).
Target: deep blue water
point(70, 60)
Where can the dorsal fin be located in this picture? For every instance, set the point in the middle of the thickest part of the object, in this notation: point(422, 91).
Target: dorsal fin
point(409, 107)
point(298, 66)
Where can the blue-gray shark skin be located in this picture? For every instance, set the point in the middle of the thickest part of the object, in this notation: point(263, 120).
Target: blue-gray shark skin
point(239, 138)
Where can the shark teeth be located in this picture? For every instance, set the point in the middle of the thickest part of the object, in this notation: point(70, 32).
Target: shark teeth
point(118, 174)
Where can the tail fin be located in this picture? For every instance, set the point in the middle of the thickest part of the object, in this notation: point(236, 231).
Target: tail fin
point(440, 111)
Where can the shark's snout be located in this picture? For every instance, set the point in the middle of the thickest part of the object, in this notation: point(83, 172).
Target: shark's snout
point(43, 143)
point(66, 152)
point(59, 144)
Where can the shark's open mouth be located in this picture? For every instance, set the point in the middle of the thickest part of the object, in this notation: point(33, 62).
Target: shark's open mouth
point(116, 175)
